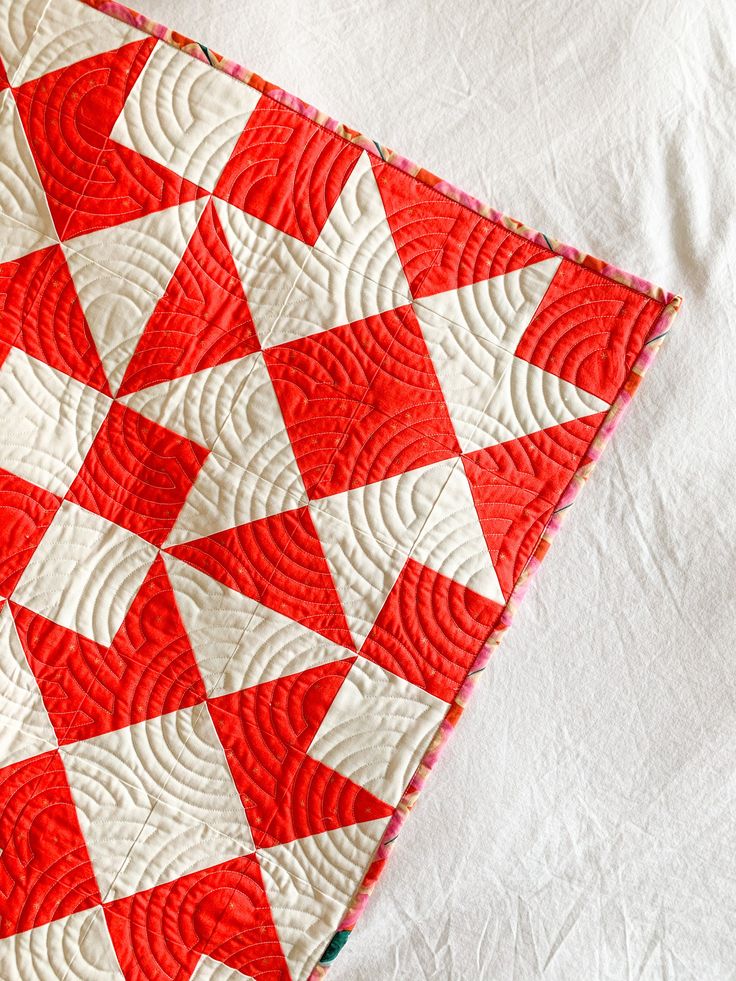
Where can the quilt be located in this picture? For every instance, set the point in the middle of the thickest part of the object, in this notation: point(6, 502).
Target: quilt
point(286, 425)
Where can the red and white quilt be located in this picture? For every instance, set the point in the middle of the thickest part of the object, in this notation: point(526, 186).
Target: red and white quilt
point(285, 424)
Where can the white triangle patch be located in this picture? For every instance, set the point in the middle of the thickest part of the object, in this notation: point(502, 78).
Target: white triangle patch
point(25, 220)
point(44, 37)
point(364, 569)
point(208, 969)
point(498, 309)
point(452, 540)
point(214, 616)
point(391, 510)
point(26, 729)
point(328, 294)
point(491, 395)
point(358, 234)
point(529, 399)
point(76, 947)
point(196, 406)
point(226, 495)
point(268, 262)
point(121, 273)
point(332, 862)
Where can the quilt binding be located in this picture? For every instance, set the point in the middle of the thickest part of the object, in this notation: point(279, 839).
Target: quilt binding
point(650, 348)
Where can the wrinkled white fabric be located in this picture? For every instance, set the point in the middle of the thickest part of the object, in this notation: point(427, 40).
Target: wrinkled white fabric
point(581, 823)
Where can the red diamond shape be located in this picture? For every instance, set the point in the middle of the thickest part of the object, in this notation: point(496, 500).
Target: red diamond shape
point(287, 170)
point(430, 630)
point(137, 474)
point(361, 402)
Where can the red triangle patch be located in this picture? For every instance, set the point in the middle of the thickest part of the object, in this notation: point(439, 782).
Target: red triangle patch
point(147, 671)
point(4, 83)
point(65, 161)
point(512, 520)
point(40, 313)
point(202, 320)
point(45, 871)
point(517, 485)
point(289, 709)
point(542, 462)
point(442, 244)
point(124, 186)
point(278, 561)
point(26, 511)
point(317, 798)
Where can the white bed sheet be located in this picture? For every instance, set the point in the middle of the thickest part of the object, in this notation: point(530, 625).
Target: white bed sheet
point(582, 822)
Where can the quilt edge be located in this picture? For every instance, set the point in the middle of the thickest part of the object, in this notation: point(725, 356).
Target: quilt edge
point(647, 354)
point(670, 302)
